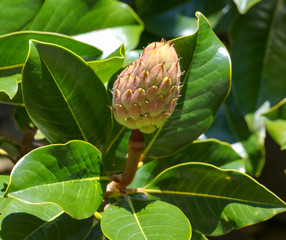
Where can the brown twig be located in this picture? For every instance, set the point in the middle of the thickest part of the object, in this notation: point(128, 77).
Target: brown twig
point(135, 148)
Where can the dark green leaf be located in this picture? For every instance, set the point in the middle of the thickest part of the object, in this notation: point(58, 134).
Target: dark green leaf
point(68, 175)
point(145, 219)
point(15, 14)
point(114, 156)
point(63, 96)
point(197, 236)
point(95, 233)
point(176, 18)
point(15, 46)
point(45, 222)
point(276, 123)
point(258, 47)
point(210, 151)
point(250, 134)
point(79, 16)
point(216, 201)
point(206, 85)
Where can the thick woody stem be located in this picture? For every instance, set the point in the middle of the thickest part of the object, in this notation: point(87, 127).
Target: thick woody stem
point(135, 148)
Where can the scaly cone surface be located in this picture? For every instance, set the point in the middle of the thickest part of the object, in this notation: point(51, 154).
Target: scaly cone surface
point(145, 94)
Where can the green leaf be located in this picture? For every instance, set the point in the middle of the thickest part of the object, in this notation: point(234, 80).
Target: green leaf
point(68, 175)
point(197, 236)
point(244, 5)
point(64, 97)
point(209, 151)
point(171, 18)
point(9, 75)
point(114, 155)
point(95, 233)
point(79, 16)
point(275, 122)
point(15, 46)
point(9, 85)
point(206, 85)
point(46, 222)
point(145, 219)
point(15, 14)
point(4, 181)
point(216, 201)
point(104, 69)
point(258, 66)
point(249, 133)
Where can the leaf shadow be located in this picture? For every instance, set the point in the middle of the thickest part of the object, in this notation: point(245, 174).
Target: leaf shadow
point(18, 225)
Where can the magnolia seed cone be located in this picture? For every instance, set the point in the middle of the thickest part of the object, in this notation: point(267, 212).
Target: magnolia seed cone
point(145, 94)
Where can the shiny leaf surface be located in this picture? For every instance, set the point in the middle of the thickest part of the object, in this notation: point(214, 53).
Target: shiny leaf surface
point(68, 175)
point(15, 14)
point(206, 85)
point(216, 201)
point(145, 219)
point(15, 46)
point(63, 96)
point(46, 222)
point(209, 151)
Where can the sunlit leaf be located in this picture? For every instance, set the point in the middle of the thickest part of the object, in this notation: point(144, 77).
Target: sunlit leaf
point(68, 175)
point(64, 97)
point(206, 85)
point(216, 201)
point(145, 219)
point(209, 151)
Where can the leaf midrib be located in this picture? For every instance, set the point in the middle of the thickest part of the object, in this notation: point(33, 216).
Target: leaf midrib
point(42, 225)
point(62, 182)
point(65, 99)
point(146, 190)
point(269, 39)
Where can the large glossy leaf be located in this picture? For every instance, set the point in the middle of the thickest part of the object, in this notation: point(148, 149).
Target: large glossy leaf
point(276, 123)
point(45, 222)
point(258, 47)
point(15, 46)
point(145, 219)
point(15, 14)
point(210, 151)
point(79, 16)
point(216, 201)
point(4, 181)
point(63, 96)
point(244, 5)
point(206, 85)
point(105, 68)
point(68, 175)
